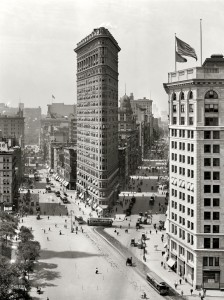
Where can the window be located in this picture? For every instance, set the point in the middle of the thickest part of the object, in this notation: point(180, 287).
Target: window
point(216, 201)
point(215, 243)
point(215, 215)
point(216, 149)
point(216, 162)
point(182, 96)
point(211, 95)
point(207, 228)
point(216, 135)
point(207, 148)
point(207, 162)
point(174, 96)
point(211, 121)
point(191, 121)
point(207, 215)
point(207, 175)
point(207, 189)
point(206, 243)
point(191, 108)
point(182, 121)
point(174, 120)
point(182, 108)
point(215, 228)
point(207, 135)
point(216, 189)
point(190, 95)
point(205, 261)
point(211, 108)
point(174, 108)
point(216, 176)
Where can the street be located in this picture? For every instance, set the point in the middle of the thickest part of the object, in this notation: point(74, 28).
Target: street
point(66, 268)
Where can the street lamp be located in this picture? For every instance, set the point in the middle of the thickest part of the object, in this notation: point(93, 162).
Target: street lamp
point(72, 212)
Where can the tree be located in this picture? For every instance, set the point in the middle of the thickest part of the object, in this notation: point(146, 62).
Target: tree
point(28, 251)
point(7, 228)
point(25, 234)
point(8, 277)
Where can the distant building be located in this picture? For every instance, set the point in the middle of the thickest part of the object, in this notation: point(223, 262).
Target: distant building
point(32, 125)
point(70, 165)
point(128, 142)
point(57, 110)
point(10, 169)
point(12, 126)
point(97, 126)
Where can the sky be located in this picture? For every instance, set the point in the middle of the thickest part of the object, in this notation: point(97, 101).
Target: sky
point(38, 38)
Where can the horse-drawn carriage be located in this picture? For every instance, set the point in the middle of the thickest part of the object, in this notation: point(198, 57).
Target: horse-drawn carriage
point(129, 261)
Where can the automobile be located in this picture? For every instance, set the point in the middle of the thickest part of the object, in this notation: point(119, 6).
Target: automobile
point(48, 189)
point(141, 214)
point(51, 184)
point(64, 199)
point(133, 242)
point(79, 219)
point(57, 193)
point(65, 194)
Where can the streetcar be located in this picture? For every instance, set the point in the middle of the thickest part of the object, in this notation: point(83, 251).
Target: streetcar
point(107, 222)
point(160, 286)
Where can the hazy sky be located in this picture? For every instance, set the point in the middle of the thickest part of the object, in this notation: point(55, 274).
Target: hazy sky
point(38, 37)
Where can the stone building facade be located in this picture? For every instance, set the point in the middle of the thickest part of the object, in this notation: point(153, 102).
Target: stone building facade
point(97, 110)
point(196, 207)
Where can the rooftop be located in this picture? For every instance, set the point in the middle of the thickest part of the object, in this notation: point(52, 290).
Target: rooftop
point(98, 32)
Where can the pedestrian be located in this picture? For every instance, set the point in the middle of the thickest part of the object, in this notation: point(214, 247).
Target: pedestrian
point(182, 293)
point(44, 230)
point(161, 263)
point(180, 281)
point(97, 271)
point(175, 284)
point(22, 220)
point(117, 233)
point(156, 231)
point(60, 232)
point(47, 298)
point(129, 225)
point(191, 290)
point(48, 217)
point(48, 238)
point(150, 231)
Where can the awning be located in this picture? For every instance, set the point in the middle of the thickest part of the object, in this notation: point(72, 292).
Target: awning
point(66, 183)
point(171, 262)
point(165, 245)
point(90, 201)
point(94, 205)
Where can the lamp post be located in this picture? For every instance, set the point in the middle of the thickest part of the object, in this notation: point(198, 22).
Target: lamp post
point(72, 212)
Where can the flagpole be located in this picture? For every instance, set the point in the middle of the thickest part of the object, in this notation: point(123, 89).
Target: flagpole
point(201, 39)
point(175, 55)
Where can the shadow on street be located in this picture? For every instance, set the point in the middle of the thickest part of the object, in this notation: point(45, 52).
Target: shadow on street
point(47, 254)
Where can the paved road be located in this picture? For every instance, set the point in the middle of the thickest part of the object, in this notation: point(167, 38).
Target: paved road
point(66, 269)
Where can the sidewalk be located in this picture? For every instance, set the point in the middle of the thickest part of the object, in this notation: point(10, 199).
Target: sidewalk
point(154, 259)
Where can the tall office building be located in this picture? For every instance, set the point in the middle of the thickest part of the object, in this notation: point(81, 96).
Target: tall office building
point(196, 207)
point(97, 117)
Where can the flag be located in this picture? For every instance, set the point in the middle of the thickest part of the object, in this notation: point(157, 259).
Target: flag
point(185, 49)
point(180, 58)
point(53, 96)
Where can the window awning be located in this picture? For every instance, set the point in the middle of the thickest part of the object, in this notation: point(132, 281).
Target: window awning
point(171, 262)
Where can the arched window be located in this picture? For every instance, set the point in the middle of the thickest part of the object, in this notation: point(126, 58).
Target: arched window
point(190, 95)
point(182, 96)
point(174, 96)
point(211, 95)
